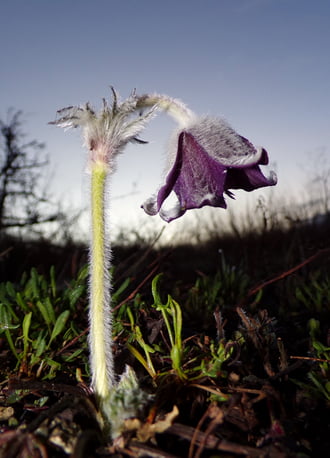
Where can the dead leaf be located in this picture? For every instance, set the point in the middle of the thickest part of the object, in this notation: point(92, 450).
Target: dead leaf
point(147, 431)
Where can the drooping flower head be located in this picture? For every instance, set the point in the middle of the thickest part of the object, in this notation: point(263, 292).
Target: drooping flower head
point(210, 158)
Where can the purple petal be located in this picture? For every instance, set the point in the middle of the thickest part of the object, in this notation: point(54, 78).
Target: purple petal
point(200, 177)
point(196, 178)
point(249, 178)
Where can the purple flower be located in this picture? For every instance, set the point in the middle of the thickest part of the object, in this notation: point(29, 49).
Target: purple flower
point(210, 159)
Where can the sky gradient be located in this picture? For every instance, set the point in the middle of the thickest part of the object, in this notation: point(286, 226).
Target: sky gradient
point(263, 65)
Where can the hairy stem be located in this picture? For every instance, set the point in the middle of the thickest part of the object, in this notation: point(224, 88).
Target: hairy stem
point(175, 108)
point(100, 337)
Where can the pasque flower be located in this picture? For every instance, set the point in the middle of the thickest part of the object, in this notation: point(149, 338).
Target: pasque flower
point(208, 160)
point(105, 134)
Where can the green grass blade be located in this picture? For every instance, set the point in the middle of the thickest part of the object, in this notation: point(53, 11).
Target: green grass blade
point(50, 310)
point(53, 281)
point(10, 290)
point(34, 283)
point(75, 294)
point(121, 289)
point(20, 301)
point(59, 325)
point(6, 324)
point(44, 312)
point(26, 328)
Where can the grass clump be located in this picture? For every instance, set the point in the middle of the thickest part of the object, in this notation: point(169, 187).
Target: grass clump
point(39, 323)
point(249, 368)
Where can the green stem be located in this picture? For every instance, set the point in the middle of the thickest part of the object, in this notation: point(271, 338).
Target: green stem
point(100, 338)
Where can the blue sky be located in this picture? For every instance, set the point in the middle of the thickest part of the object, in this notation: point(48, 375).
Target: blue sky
point(264, 65)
